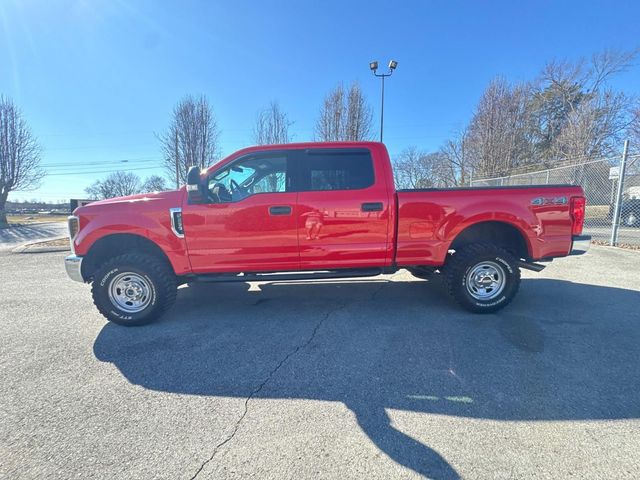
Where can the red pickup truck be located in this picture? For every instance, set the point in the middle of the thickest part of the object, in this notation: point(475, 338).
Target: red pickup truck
point(316, 210)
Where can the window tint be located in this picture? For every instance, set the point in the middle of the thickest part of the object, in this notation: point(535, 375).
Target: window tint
point(347, 170)
point(262, 173)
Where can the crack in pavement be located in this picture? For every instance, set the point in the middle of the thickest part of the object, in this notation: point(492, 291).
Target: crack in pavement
point(261, 386)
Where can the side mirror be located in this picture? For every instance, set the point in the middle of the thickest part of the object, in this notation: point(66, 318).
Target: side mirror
point(194, 187)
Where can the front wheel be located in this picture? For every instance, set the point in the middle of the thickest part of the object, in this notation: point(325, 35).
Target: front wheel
point(482, 278)
point(133, 289)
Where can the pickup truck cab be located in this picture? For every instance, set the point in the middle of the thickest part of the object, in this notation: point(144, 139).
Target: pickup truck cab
point(316, 210)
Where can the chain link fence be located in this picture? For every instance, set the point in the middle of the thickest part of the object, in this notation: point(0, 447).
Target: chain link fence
point(604, 189)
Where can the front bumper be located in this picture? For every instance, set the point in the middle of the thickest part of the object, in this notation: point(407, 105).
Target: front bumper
point(580, 244)
point(73, 265)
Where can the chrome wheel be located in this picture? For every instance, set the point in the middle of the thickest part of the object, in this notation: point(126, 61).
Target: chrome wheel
point(486, 280)
point(130, 292)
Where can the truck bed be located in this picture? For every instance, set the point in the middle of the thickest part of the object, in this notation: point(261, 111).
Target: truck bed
point(430, 218)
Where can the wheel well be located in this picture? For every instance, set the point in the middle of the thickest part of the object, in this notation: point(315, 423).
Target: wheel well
point(118, 244)
point(497, 233)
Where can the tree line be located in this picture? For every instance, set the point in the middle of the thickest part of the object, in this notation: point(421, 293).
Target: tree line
point(569, 114)
point(193, 137)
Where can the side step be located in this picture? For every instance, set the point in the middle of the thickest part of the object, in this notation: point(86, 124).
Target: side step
point(536, 267)
point(287, 276)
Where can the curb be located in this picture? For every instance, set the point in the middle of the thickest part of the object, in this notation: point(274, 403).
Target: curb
point(625, 247)
point(32, 247)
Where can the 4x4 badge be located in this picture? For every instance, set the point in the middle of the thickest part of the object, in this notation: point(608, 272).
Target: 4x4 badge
point(549, 201)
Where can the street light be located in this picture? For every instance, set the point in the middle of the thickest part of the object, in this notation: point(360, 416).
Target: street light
point(374, 69)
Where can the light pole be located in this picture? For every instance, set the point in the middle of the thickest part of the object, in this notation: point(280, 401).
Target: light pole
point(374, 67)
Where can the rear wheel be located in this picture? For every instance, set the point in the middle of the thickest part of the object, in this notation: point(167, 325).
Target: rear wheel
point(133, 289)
point(482, 278)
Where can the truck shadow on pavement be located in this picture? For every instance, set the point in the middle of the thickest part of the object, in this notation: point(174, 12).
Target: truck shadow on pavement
point(561, 351)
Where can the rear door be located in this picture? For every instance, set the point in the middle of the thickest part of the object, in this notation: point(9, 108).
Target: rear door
point(343, 209)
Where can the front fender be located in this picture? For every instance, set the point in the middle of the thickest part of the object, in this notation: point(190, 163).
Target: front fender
point(154, 226)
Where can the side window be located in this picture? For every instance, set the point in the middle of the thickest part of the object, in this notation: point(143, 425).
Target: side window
point(337, 170)
point(259, 173)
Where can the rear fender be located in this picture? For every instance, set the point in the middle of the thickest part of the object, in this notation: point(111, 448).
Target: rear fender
point(511, 214)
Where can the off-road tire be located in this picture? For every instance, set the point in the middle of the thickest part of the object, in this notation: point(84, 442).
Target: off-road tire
point(158, 275)
point(463, 261)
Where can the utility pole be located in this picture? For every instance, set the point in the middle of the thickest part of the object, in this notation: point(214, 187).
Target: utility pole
point(618, 204)
point(382, 110)
point(374, 67)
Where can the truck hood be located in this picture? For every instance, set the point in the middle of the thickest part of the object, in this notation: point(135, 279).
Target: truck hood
point(160, 200)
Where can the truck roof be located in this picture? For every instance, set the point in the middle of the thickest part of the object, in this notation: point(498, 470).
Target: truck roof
point(295, 146)
point(299, 145)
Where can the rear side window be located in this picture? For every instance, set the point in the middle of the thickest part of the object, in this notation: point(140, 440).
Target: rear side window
point(336, 170)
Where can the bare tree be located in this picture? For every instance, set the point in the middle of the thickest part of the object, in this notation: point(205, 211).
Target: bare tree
point(272, 126)
point(568, 115)
point(117, 184)
point(593, 129)
point(416, 169)
point(497, 139)
point(634, 130)
point(154, 183)
point(344, 116)
point(191, 139)
point(456, 165)
point(589, 75)
point(576, 116)
point(330, 124)
point(19, 154)
point(359, 115)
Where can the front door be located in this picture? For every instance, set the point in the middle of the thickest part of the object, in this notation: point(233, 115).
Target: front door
point(343, 210)
point(249, 223)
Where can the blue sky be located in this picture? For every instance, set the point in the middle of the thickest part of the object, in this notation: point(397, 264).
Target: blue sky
point(96, 78)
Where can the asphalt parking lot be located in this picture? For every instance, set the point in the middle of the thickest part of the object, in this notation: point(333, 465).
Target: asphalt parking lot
point(17, 235)
point(383, 378)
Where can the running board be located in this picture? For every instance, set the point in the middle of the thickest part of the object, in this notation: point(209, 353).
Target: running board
point(280, 277)
point(536, 267)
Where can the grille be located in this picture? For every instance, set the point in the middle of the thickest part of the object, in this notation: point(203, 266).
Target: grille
point(74, 226)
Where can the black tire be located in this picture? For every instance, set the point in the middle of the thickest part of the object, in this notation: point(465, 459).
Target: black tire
point(497, 261)
point(154, 275)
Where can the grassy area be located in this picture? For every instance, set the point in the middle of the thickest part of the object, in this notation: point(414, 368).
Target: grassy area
point(61, 242)
point(34, 218)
